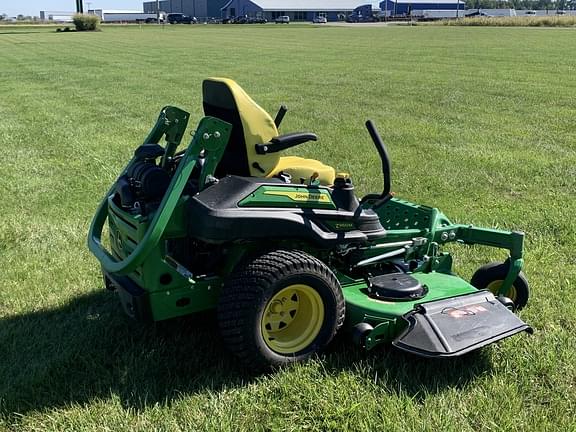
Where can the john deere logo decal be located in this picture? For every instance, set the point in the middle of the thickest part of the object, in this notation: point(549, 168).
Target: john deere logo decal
point(301, 196)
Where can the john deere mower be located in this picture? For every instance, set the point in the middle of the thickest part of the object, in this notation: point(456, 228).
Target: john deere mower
point(285, 251)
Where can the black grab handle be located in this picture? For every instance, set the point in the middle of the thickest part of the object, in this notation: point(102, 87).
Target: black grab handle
point(386, 167)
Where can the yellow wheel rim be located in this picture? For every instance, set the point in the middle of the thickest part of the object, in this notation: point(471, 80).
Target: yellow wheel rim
point(494, 288)
point(292, 319)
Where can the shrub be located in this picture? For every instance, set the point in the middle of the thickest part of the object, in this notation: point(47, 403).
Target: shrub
point(85, 22)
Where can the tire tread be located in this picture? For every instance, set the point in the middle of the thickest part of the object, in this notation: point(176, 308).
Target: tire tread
point(241, 295)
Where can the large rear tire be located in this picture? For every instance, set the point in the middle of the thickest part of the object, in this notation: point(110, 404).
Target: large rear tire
point(281, 307)
point(491, 276)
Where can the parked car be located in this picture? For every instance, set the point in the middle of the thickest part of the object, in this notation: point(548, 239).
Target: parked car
point(153, 20)
point(354, 18)
point(320, 20)
point(180, 18)
point(284, 19)
point(239, 20)
point(257, 20)
point(247, 20)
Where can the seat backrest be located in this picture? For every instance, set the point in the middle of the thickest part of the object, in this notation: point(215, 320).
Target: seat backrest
point(251, 125)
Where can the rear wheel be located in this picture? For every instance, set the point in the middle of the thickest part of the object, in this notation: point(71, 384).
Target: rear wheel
point(282, 307)
point(491, 276)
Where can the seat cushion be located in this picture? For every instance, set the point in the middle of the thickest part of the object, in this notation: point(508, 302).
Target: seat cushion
point(302, 170)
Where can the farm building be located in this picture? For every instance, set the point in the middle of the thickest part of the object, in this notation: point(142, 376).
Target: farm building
point(197, 8)
point(413, 7)
point(297, 10)
point(334, 10)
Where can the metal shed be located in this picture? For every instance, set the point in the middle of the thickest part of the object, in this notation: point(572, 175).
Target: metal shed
point(411, 7)
point(297, 10)
point(199, 8)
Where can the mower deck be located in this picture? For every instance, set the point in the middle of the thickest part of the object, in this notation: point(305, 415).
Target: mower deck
point(452, 319)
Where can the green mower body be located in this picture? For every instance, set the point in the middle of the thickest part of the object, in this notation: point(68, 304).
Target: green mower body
point(289, 261)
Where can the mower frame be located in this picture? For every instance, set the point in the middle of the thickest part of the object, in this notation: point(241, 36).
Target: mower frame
point(146, 264)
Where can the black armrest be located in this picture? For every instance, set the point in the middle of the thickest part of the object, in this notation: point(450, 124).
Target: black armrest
point(283, 142)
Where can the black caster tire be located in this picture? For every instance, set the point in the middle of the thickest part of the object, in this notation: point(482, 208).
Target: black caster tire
point(491, 276)
point(359, 333)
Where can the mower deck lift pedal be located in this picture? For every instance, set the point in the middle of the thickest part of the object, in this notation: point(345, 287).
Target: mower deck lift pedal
point(452, 327)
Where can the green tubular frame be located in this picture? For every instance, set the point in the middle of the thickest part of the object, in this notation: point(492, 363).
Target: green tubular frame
point(404, 220)
point(212, 136)
point(513, 241)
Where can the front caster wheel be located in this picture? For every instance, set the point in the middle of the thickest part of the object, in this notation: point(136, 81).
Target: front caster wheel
point(282, 307)
point(359, 333)
point(491, 276)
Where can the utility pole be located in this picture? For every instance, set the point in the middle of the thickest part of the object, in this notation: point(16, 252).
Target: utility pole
point(157, 11)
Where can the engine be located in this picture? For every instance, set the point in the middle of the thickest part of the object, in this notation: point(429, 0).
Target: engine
point(145, 182)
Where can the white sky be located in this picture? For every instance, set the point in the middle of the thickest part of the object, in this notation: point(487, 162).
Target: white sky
point(33, 7)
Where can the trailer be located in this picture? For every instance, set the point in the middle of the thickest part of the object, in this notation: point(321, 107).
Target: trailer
point(127, 16)
point(56, 16)
point(437, 14)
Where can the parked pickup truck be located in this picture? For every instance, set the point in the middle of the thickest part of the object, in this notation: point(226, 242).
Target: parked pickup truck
point(179, 18)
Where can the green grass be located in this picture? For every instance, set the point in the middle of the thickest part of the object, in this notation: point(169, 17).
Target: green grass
point(479, 122)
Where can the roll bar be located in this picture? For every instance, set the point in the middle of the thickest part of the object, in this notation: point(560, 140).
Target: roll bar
point(212, 134)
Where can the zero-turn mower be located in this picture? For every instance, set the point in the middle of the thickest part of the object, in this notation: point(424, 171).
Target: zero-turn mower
point(285, 251)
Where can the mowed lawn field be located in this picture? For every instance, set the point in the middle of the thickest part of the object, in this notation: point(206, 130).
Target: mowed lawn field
point(480, 122)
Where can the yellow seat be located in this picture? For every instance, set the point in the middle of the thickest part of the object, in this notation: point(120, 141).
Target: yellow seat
point(301, 170)
point(251, 125)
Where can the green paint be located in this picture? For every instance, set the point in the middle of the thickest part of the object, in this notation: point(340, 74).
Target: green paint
point(386, 316)
point(185, 299)
point(359, 305)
